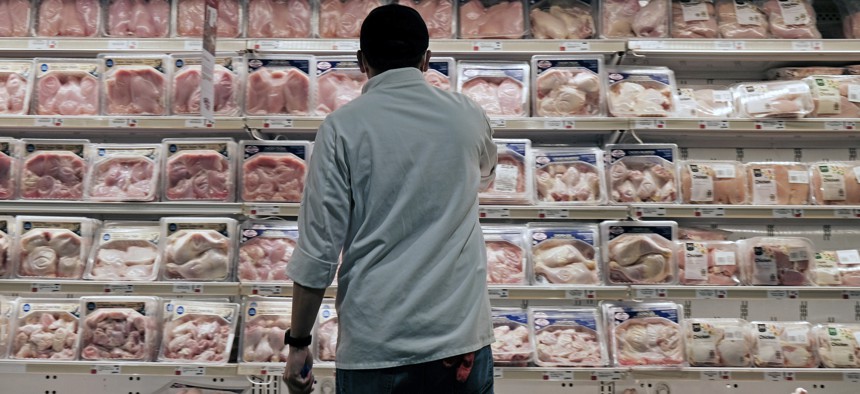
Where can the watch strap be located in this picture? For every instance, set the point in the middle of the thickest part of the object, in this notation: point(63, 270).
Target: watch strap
point(297, 342)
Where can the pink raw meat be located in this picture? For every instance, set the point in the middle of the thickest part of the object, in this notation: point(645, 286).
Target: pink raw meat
point(437, 14)
point(117, 334)
point(189, 18)
point(562, 345)
point(565, 261)
point(497, 96)
point(512, 345)
point(273, 178)
point(197, 255)
point(343, 18)
point(7, 182)
point(52, 176)
point(198, 175)
point(651, 20)
point(501, 20)
point(50, 253)
point(124, 260)
point(272, 92)
point(4, 254)
point(642, 181)
point(14, 18)
point(732, 27)
point(438, 80)
point(263, 339)
point(130, 178)
point(138, 18)
point(327, 342)
point(135, 91)
point(715, 274)
point(46, 335)
point(640, 259)
point(336, 88)
point(782, 28)
point(568, 22)
point(279, 19)
point(186, 91)
point(504, 263)
point(778, 261)
point(648, 341)
point(200, 338)
point(13, 94)
point(682, 28)
point(265, 259)
point(68, 18)
point(563, 92)
point(67, 93)
point(560, 182)
point(618, 17)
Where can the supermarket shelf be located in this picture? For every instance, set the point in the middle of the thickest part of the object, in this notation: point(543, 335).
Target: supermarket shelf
point(119, 368)
point(453, 47)
point(79, 46)
point(547, 212)
point(270, 209)
point(770, 126)
point(120, 208)
point(26, 286)
point(519, 292)
point(520, 124)
point(744, 292)
point(122, 123)
point(751, 374)
point(277, 290)
point(651, 211)
point(825, 49)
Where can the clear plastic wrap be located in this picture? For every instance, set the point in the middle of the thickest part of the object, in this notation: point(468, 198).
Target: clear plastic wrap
point(188, 16)
point(134, 84)
point(7, 313)
point(776, 99)
point(564, 254)
point(68, 18)
point(714, 182)
point(500, 88)
point(197, 249)
point(7, 242)
point(53, 169)
point(273, 171)
point(66, 86)
point(16, 18)
point(694, 19)
point(702, 234)
point(838, 345)
point(264, 325)
point(837, 268)
point(634, 18)
point(280, 84)
point(645, 334)
point(513, 345)
point(125, 251)
point(343, 18)
point(705, 101)
point(513, 183)
point(16, 83)
point(718, 342)
point(325, 334)
point(279, 18)
point(779, 183)
point(198, 332)
point(442, 73)
point(199, 169)
point(123, 172)
point(569, 176)
point(798, 73)
point(776, 261)
point(338, 81)
point(506, 255)
point(835, 96)
point(641, 91)
point(10, 165)
point(784, 345)
point(437, 14)
point(791, 19)
point(568, 337)
point(741, 19)
point(709, 263)
point(562, 19)
point(836, 182)
point(492, 19)
point(186, 73)
point(121, 328)
point(53, 247)
point(265, 249)
point(639, 173)
point(639, 252)
point(45, 329)
point(565, 86)
point(137, 18)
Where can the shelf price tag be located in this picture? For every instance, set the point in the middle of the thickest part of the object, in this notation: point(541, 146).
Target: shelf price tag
point(498, 373)
point(580, 294)
point(119, 289)
point(487, 46)
point(553, 214)
point(121, 123)
point(650, 211)
point(190, 370)
point(559, 124)
point(649, 124)
point(846, 213)
point(267, 45)
point(199, 123)
point(277, 123)
point(105, 370)
point(45, 288)
point(606, 376)
point(709, 212)
point(122, 44)
point(498, 293)
point(558, 376)
point(787, 213)
point(807, 45)
point(346, 45)
point(646, 44)
point(494, 213)
point(716, 375)
point(266, 290)
point(722, 45)
point(575, 46)
point(851, 377)
point(783, 294)
point(264, 210)
point(188, 288)
point(708, 294)
point(48, 122)
point(498, 123)
point(272, 370)
point(851, 295)
point(42, 44)
point(836, 125)
point(714, 124)
point(770, 125)
point(651, 293)
point(193, 45)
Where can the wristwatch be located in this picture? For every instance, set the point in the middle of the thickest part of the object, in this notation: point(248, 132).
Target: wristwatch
point(297, 342)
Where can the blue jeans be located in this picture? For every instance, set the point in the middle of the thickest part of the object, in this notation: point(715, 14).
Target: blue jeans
point(430, 378)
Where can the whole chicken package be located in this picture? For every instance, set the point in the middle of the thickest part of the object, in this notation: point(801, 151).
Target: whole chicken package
point(16, 83)
point(265, 249)
point(188, 16)
point(199, 169)
point(68, 18)
point(838, 345)
point(709, 263)
point(492, 19)
point(119, 328)
point(124, 172)
point(694, 19)
point(836, 183)
point(776, 99)
point(15, 18)
point(837, 268)
point(562, 19)
point(197, 249)
point(791, 19)
point(705, 101)
point(7, 314)
point(265, 321)
point(777, 261)
point(718, 342)
point(835, 96)
point(634, 18)
point(500, 88)
point(137, 18)
point(714, 182)
point(566, 86)
point(645, 334)
point(7, 242)
point(437, 14)
point(66, 87)
point(280, 18)
point(565, 337)
point(338, 81)
point(198, 332)
point(513, 345)
point(506, 255)
point(135, 85)
point(273, 171)
point(53, 247)
point(325, 334)
point(779, 183)
point(10, 165)
point(125, 251)
point(280, 84)
point(641, 91)
point(343, 18)
point(640, 173)
point(784, 344)
point(569, 176)
point(197, 388)
point(639, 252)
point(186, 73)
point(442, 73)
point(742, 19)
point(45, 329)
point(513, 183)
point(564, 255)
point(798, 73)
point(850, 12)
point(53, 169)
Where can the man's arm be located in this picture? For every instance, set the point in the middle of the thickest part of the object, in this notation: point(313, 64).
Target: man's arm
point(488, 158)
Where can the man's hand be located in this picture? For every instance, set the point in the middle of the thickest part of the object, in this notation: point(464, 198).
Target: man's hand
point(298, 360)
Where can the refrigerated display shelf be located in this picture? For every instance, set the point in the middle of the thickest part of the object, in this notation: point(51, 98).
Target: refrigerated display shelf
point(523, 124)
point(819, 50)
point(552, 212)
point(453, 47)
point(763, 126)
point(517, 292)
point(41, 286)
point(652, 211)
point(185, 123)
point(116, 368)
point(119, 208)
point(676, 292)
point(80, 46)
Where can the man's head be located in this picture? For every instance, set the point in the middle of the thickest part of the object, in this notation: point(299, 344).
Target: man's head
point(393, 36)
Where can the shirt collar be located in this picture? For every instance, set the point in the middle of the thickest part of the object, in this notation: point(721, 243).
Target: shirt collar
point(391, 77)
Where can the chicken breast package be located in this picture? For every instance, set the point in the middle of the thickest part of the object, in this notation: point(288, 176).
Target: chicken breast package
point(135, 85)
point(16, 83)
point(343, 18)
point(513, 345)
point(186, 73)
point(136, 18)
point(68, 18)
point(641, 91)
point(124, 172)
point(500, 88)
point(45, 329)
point(66, 87)
point(645, 334)
point(280, 18)
point(568, 337)
point(437, 14)
point(562, 19)
point(513, 183)
point(838, 345)
point(53, 247)
point(7, 244)
point(199, 169)
point(777, 261)
point(741, 19)
point(273, 171)
point(325, 334)
point(339, 81)
point(694, 19)
point(784, 345)
point(705, 101)
point(506, 255)
point(568, 86)
point(791, 19)
point(714, 182)
point(7, 314)
point(198, 332)
point(265, 249)
point(798, 73)
point(188, 17)
point(835, 96)
point(53, 169)
point(442, 73)
point(15, 18)
point(569, 176)
point(564, 254)
point(265, 321)
point(125, 251)
point(280, 84)
point(642, 173)
point(706, 263)
point(779, 183)
point(197, 249)
point(634, 18)
point(492, 19)
point(119, 328)
point(639, 253)
point(10, 166)
point(837, 268)
point(836, 183)
point(718, 342)
point(775, 99)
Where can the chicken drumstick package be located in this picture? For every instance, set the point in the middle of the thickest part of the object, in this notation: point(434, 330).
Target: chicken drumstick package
point(569, 176)
point(198, 332)
point(564, 254)
point(640, 173)
point(639, 252)
point(265, 249)
point(264, 324)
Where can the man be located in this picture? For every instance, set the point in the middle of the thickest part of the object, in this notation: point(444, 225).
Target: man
point(393, 183)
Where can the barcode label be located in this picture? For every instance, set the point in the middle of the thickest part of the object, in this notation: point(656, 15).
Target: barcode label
point(714, 124)
point(487, 46)
point(105, 370)
point(724, 171)
point(724, 258)
point(119, 289)
point(798, 254)
point(559, 124)
point(722, 96)
point(506, 178)
point(272, 370)
point(494, 213)
point(646, 124)
point(190, 371)
point(498, 123)
point(267, 45)
point(650, 212)
point(796, 335)
point(122, 44)
point(575, 46)
point(709, 212)
point(192, 288)
point(558, 375)
point(278, 124)
point(498, 373)
point(346, 45)
point(854, 93)
point(850, 256)
point(194, 45)
point(581, 294)
point(498, 293)
point(733, 333)
point(798, 177)
point(266, 290)
point(553, 214)
point(770, 125)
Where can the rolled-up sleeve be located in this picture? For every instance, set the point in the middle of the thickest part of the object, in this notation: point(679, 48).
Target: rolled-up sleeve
point(488, 158)
point(324, 214)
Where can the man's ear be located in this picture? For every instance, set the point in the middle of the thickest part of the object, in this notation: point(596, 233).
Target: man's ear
point(425, 65)
point(361, 66)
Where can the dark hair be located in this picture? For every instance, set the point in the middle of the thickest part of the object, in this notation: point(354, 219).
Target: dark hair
point(394, 36)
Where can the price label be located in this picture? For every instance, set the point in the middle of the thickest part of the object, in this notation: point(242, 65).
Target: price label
point(190, 370)
point(770, 125)
point(266, 290)
point(122, 44)
point(836, 125)
point(850, 256)
point(199, 123)
point(647, 45)
point(487, 46)
point(122, 123)
point(119, 289)
point(264, 210)
point(559, 124)
point(273, 370)
point(45, 288)
point(846, 213)
point(353, 45)
point(575, 46)
point(716, 375)
point(278, 124)
point(649, 124)
point(708, 294)
point(709, 212)
point(606, 376)
point(714, 124)
point(105, 370)
point(498, 373)
point(553, 214)
point(852, 377)
point(650, 211)
point(48, 122)
point(555, 376)
point(498, 293)
point(785, 213)
point(722, 45)
point(580, 294)
point(782, 294)
point(267, 45)
point(651, 293)
point(807, 45)
point(188, 288)
point(494, 213)
point(42, 44)
point(194, 45)
point(498, 123)
point(851, 295)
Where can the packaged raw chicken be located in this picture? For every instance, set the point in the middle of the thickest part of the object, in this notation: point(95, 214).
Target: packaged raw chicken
point(569, 176)
point(645, 334)
point(264, 324)
point(66, 86)
point(197, 388)
point(569, 337)
point(835, 96)
point(642, 173)
point(777, 99)
point(15, 18)
point(325, 334)
point(838, 345)
point(705, 101)
point(7, 313)
point(16, 82)
point(634, 18)
point(714, 182)
point(343, 18)
point(119, 328)
point(188, 16)
point(564, 254)
point(694, 19)
point(338, 81)
point(779, 183)
point(850, 13)
point(837, 268)
point(702, 234)
point(185, 90)
point(506, 255)
point(718, 342)
point(442, 73)
point(741, 19)
point(53, 247)
point(10, 165)
point(437, 14)
point(45, 329)
point(500, 88)
point(279, 18)
point(639, 252)
point(53, 169)
point(125, 251)
point(198, 332)
point(798, 73)
point(562, 19)
point(836, 183)
point(791, 19)
point(492, 19)
point(137, 18)
point(135, 85)
point(709, 263)
point(68, 18)
point(265, 249)
point(641, 91)
point(279, 84)
point(513, 182)
point(776, 261)
point(784, 344)
point(7, 241)
point(123, 172)
point(273, 171)
point(198, 169)
point(197, 249)
point(565, 86)
point(512, 346)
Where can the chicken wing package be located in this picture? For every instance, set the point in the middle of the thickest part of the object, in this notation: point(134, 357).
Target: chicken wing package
point(325, 334)
point(742, 19)
point(777, 261)
point(639, 252)
point(562, 19)
point(565, 86)
point(714, 182)
point(779, 183)
point(564, 255)
point(134, 85)
point(68, 18)
point(66, 87)
point(265, 249)
point(506, 255)
point(634, 18)
point(53, 169)
point(493, 19)
point(199, 169)
point(280, 84)
point(694, 19)
point(513, 183)
point(125, 251)
point(775, 99)
point(707, 263)
point(645, 334)
point(513, 345)
point(188, 18)
point(197, 249)
point(279, 18)
point(123, 172)
point(17, 18)
point(784, 344)
point(198, 332)
point(45, 329)
point(836, 183)
point(437, 14)
point(273, 171)
point(641, 91)
point(186, 73)
point(569, 337)
point(265, 321)
point(16, 83)
point(838, 345)
point(136, 318)
point(338, 81)
point(136, 18)
point(718, 342)
point(798, 73)
point(705, 101)
point(53, 247)
point(7, 314)
point(640, 173)
point(343, 18)
point(500, 88)
point(837, 268)
point(791, 19)
point(569, 176)
point(7, 242)
point(835, 96)
point(442, 73)
point(10, 165)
